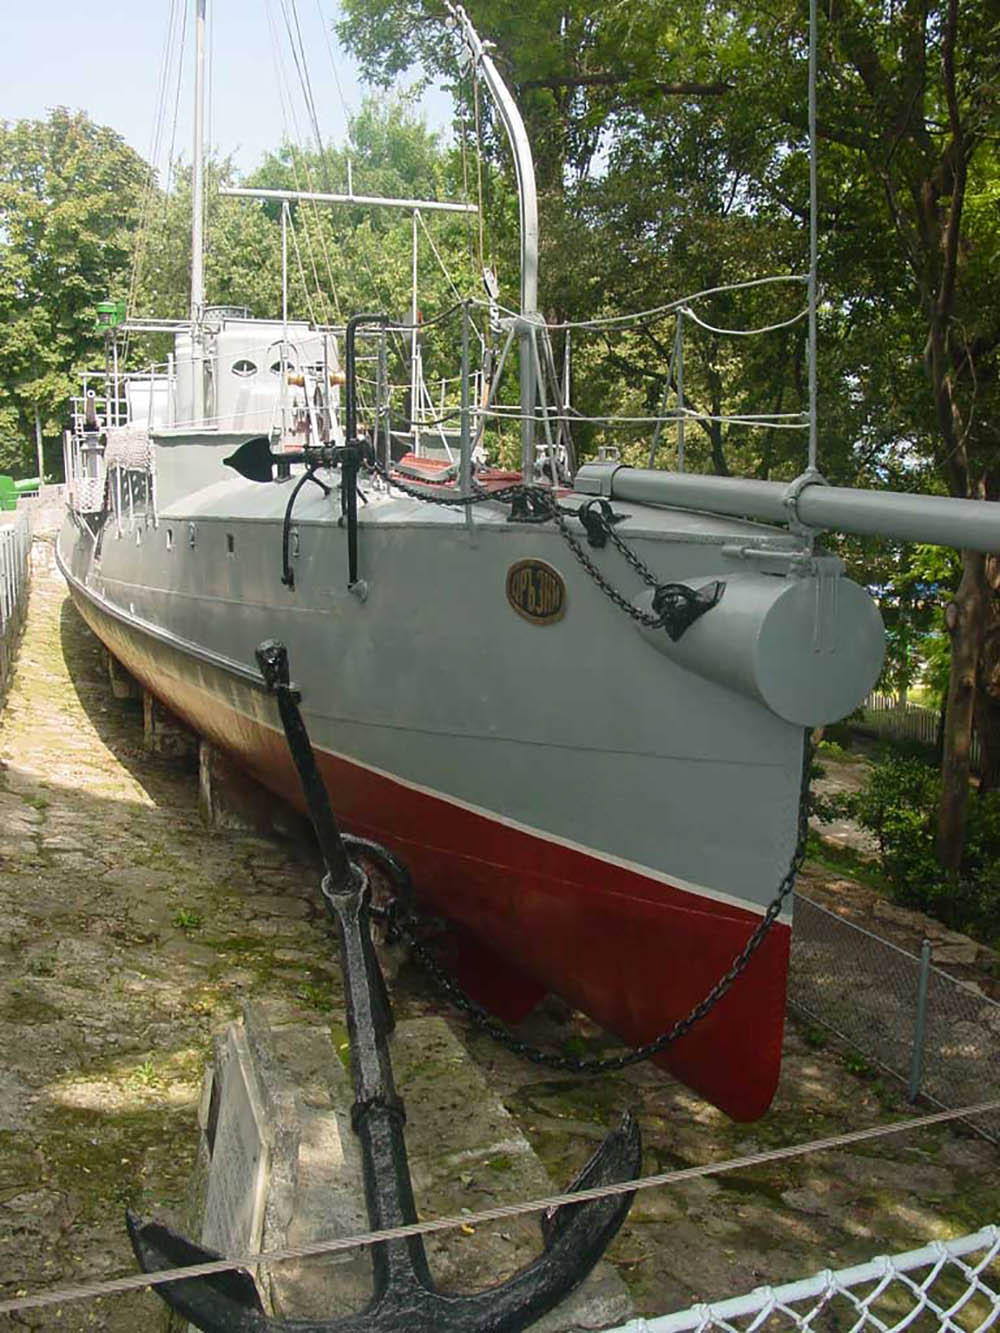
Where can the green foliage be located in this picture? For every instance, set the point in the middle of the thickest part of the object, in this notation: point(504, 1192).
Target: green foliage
point(188, 919)
point(14, 450)
point(898, 805)
point(69, 199)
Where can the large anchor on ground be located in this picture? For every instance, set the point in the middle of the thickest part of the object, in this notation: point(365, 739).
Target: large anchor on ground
point(404, 1298)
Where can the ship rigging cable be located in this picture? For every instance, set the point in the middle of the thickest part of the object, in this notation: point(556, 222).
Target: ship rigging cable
point(136, 1281)
point(292, 134)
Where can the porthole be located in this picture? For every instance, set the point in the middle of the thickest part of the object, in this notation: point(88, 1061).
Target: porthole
point(244, 368)
point(277, 367)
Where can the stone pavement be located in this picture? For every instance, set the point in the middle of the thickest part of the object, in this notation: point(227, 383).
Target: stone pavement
point(838, 776)
point(129, 934)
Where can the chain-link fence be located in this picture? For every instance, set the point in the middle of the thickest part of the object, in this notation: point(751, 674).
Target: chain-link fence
point(941, 1036)
point(952, 1285)
point(15, 548)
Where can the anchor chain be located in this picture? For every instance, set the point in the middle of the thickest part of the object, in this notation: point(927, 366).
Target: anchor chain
point(676, 605)
point(403, 920)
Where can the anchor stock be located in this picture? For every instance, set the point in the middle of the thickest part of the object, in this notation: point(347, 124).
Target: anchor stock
point(404, 1295)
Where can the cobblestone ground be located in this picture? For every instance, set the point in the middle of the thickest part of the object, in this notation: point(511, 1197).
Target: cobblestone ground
point(129, 934)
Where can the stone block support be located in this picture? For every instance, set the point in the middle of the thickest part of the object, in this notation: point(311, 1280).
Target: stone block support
point(123, 684)
point(228, 798)
point(164, 734)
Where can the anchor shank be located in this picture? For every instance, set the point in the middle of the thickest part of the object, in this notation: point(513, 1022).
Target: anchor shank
point(272, 658)
point(377, 1115)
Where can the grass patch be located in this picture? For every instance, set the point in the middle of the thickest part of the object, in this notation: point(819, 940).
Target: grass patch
point(107, 1160)
point(847, 861)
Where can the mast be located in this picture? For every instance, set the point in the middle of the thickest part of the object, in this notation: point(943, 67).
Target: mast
point(527, 196)
point(198, 221)
point(416, 379)
point(198, 169)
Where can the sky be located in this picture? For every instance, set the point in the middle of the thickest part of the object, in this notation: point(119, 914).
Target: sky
point(105, 57)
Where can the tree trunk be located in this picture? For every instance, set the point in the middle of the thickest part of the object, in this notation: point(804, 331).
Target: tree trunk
point(988, 684)
point(38, 448)
point(965, 618)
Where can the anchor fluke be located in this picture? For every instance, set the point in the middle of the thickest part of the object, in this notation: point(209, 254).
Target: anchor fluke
point(256, 460)
point(228, 1300)
point(576, 1235)
point(619, 1158)
point(253, 460)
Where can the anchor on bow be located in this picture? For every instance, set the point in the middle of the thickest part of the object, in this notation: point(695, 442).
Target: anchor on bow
point(404, 1296)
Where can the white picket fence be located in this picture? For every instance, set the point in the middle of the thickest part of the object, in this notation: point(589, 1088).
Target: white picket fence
point(15, 554)
point(884, 715)
point(952, 1284)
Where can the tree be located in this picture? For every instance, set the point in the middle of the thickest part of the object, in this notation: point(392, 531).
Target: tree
point(910, 98)
point(69, 199)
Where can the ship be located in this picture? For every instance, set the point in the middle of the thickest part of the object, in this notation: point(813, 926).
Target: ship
point(575, 701)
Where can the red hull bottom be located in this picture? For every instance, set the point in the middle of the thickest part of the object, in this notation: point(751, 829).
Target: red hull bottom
point(632, 952)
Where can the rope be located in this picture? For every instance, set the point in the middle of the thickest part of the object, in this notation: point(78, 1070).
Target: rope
point(465, 182)
point(479, 165)
point(302, 273)
point(746, 333)
point(156, 139)
point(288, 115)
point(299, 57)
point(177, 105)
point(308, 81)
point(401, 326)
point(780, 421)
point(279, 71)
point(135, 1282)
point(437, 255)
point(623, 321)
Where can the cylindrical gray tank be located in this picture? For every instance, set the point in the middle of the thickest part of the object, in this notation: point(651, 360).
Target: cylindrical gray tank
point(808, 648)
point(184, 391)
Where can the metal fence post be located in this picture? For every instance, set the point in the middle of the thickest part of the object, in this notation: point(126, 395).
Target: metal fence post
point(920, 1027)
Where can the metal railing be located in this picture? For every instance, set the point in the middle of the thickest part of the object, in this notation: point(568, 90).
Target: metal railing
point(951, 1284)
point(939, 1035)
point(15, 549)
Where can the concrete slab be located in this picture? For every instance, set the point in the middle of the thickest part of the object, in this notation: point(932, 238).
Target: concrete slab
point(466, 1153)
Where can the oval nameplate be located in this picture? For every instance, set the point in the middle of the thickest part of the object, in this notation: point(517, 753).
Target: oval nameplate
point(536, 591)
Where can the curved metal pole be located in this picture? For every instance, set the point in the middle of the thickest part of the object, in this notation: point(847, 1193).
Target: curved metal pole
point(813, 243)
point(528, 199)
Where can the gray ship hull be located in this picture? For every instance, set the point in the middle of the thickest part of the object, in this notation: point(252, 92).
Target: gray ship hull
point(607, 822)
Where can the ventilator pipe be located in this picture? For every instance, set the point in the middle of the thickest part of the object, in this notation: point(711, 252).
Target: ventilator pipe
point(937, 519)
